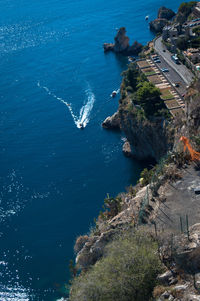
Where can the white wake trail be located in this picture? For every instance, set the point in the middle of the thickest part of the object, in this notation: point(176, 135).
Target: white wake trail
point(85, 110)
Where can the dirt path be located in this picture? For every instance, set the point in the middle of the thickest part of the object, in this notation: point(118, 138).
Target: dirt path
point(181, 200)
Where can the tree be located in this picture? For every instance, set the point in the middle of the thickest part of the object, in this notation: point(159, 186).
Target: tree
point(130, 76)
point(149, 98)
point(182, 43)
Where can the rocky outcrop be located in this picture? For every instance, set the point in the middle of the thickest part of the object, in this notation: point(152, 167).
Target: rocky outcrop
point(90, 249)
point(157, 25)
point(112, 122)
point(127, 149)
point(165, 13)
point(121, 44)
point(148, 139)
point(93, 249)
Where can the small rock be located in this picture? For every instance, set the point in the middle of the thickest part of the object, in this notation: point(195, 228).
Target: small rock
point(111, 122)
point(165, 277)
point(193, 298)
point(127, 149)
point(172, 281)
point(181, 287)
point(192, 245)
point(165, 295)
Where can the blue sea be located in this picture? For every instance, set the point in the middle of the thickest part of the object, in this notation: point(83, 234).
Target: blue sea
point(54, 176)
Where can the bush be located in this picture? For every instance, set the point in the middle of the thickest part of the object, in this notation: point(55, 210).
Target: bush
point(146, 176)
point(127, 271)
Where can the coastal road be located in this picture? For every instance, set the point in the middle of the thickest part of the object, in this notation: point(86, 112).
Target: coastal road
point(172, 76)
point(182, 70)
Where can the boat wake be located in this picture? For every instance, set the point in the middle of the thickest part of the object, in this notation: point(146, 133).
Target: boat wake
point(84, 115)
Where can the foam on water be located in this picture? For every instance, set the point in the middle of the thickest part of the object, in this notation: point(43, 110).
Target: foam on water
point(85, 111)
point(13, 291)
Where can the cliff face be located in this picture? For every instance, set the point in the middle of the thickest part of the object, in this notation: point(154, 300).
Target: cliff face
point(193, 110)
point(148, 139)
point(149, 132)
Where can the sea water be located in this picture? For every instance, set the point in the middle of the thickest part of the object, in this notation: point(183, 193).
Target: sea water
point(55, 79)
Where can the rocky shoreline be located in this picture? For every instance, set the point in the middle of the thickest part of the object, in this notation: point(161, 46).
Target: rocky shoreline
point(154, 204)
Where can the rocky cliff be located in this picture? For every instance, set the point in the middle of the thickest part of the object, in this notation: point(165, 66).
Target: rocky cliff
point(157, 25)
point(164, 15)
point(121, 44)
point(147, 136)
point(157, 201)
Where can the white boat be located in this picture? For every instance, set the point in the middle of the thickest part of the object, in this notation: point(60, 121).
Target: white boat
point(114, 93)
point(81, 125)
point(147, 18)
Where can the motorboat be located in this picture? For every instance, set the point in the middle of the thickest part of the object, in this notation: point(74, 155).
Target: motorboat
point(114, 93)
point(147, 18)
point(81, 125)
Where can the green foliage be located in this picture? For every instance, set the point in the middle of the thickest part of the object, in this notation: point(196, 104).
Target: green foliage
point(181, 57)
point(112, 206)
point(130, 76)
point(142, 93)
point(127, 271)
point(185, 10)
point(148, 97)
point(182, 43)
point(196, 139)
point(146, 176)
point(131, 190)
point(147, 90)
point(196, 30)
point(195, 43)
point(129, 89)
point(186, 7)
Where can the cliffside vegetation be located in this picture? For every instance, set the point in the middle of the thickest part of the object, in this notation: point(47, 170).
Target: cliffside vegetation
point(127, 271)
point(140, 96)
point(184, 11)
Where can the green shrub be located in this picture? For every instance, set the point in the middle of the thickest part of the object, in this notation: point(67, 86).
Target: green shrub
point(146, 176)
point(127, 271)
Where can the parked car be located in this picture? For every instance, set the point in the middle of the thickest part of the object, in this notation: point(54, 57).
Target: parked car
point(157, 61)
point(165, 70)
point(164, 50)
point(176, 84)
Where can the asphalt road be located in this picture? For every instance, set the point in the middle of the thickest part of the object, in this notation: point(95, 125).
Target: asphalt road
point(180, 69)
point(172, 76)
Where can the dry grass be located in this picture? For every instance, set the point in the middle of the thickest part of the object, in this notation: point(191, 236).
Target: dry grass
point(159, 290)
point(177, 112)
point(155, 79)
point(143, 64)
point(170, 104)
point(166, 94)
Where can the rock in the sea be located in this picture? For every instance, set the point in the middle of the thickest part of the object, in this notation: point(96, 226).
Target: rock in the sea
point(165, 13)
point(127, 149)
point(111, 122)
point(121, 44)
point(121, 41)
point(108, 47)
point(157, 25)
